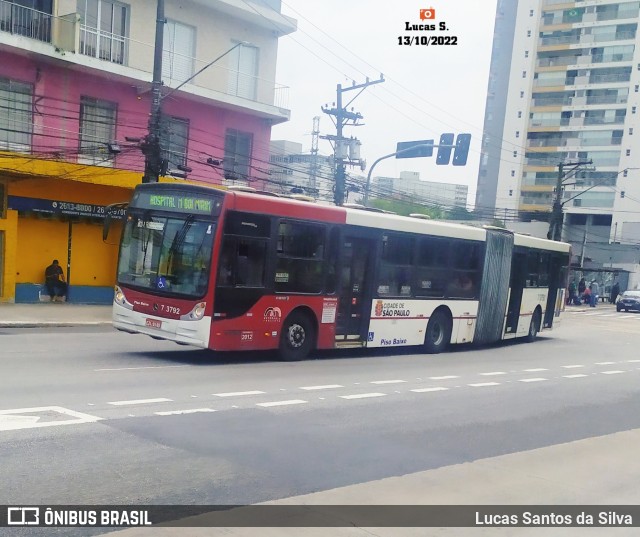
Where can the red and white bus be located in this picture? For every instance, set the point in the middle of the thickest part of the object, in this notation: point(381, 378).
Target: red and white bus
point(230, 270)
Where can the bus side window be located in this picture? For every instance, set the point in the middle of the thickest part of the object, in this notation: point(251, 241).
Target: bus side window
point(332, 260)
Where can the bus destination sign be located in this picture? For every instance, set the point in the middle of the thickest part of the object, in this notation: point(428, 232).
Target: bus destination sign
point(178, 202)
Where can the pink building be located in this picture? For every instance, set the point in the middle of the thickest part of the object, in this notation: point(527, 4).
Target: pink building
point(75, 85)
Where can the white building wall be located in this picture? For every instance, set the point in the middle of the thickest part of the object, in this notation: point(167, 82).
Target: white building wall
point(518, 103)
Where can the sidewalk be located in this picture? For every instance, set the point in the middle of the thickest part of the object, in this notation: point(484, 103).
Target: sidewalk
point(57, 314)
point(47, 314)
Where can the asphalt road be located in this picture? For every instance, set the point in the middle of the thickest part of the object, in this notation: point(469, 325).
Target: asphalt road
point(92, 416)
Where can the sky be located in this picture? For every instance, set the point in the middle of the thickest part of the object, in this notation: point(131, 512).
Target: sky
point(428, 90)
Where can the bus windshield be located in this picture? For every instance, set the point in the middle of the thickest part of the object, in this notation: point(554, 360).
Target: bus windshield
point(169, 255)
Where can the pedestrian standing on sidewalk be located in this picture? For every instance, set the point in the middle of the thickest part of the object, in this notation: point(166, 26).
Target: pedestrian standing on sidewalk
point(615, 291)
point(595, 293)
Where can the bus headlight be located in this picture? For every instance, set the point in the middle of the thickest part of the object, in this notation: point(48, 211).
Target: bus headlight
point(196, 313)
point(119, 298)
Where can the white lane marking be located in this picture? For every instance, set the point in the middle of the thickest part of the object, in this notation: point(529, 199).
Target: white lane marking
point(283, 403)
point(633, 361)
point(577, 376)
point(493, 373)
point(571, 366)
point(140, 401)
point(236, 394)
point(426, 390)
point(605, 363)
point(387, 381)
point(610, 315)
point(535, 370)
point(539, 379)
point(138, 368)
point(362, 395)
point(14, 419)
point(446, 377)
point(627, 316)
point(611, 372)
point(180, 412)
point(324, 387)
point(482, 384)
point(591, 314)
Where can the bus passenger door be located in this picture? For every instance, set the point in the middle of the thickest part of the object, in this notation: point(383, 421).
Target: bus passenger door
point(518, 280)
point(354, 302)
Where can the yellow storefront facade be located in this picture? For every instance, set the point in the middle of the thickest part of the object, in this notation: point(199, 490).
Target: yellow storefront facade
point(55, 210)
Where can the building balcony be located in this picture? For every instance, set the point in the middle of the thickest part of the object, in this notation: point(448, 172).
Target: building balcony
point(81, 47)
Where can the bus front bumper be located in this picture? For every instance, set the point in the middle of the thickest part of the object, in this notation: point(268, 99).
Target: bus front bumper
point(191, 332)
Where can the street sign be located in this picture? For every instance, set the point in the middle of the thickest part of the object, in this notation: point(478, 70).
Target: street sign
point(461, 151)
point(444, 149)
point(417, 149)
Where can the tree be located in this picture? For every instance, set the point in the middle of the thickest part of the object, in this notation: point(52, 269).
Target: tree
point(405, 208)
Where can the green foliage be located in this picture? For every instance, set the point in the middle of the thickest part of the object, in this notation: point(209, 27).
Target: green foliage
point(459, 213)
point(406, 208)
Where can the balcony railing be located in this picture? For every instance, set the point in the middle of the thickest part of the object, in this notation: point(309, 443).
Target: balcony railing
point(20, 20)
point(552, 101)
point(607, 99)
point(104, 45)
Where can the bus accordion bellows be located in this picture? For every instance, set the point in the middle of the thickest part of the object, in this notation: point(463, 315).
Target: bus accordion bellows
point(232, 270)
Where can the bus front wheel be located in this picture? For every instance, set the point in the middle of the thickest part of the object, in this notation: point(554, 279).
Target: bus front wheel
point(438, 334)
point(297, 337)
point(534, 327)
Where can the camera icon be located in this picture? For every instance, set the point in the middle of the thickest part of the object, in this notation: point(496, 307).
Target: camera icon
point(429, 13)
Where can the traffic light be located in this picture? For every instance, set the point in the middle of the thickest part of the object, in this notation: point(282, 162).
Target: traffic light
point(444, 151)
point(463, 141)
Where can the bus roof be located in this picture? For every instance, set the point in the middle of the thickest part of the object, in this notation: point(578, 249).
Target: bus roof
point(295, 208)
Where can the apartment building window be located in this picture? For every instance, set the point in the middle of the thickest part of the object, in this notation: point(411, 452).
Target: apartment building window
point(633, 109)
point(16, 115)
point(174, 136)
point(630, 130)
point(528, 33)
point(237, 154)
point(103, 29)
point(526, 53)
point(628, 152)
point(179, 51)
point(519, 114)
point(524, 74)
point(522, 94)
point(243, 71)
point(97, 130)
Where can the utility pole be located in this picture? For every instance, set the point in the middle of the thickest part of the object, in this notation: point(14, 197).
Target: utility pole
point(314, 152)
point(151, 144)
point(557, 216)
point(342, 117)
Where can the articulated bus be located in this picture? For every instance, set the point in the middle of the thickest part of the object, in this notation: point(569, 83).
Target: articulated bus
point(230, 270)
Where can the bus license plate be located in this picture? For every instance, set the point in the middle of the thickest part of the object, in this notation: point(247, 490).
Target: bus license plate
point(154, 323)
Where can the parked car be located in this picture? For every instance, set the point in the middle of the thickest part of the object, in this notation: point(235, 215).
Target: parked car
point(629, 301)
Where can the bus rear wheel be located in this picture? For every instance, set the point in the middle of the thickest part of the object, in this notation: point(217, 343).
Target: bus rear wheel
point(297, 337)
point(438, 334)
point(534, 327)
